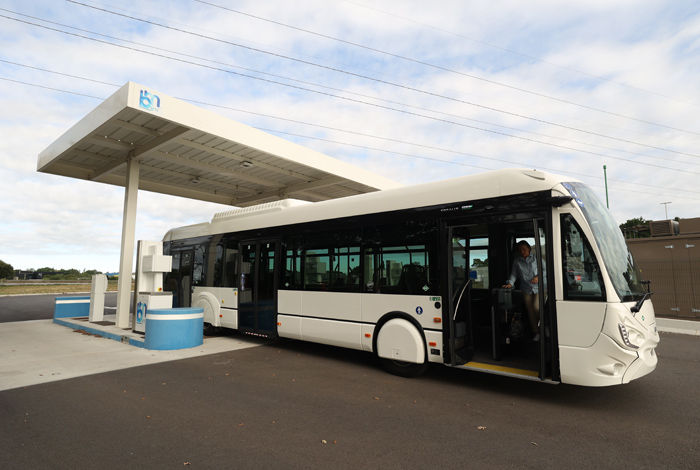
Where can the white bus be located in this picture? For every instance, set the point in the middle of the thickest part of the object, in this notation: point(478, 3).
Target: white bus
point(415, 276)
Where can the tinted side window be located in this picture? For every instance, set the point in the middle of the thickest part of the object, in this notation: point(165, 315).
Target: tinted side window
point(403, 258)
point(198, 267)
point(583, 279)
point(332, 261)
point(230, 263)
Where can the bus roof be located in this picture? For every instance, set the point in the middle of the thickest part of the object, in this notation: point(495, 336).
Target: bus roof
point(465, 188)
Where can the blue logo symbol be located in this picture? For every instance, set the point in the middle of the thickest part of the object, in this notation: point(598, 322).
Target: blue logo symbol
point(419, 310)
point(149, 101)
point(140, 312)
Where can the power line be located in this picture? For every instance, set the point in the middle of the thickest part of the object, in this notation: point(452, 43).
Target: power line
point(416, 90)
point(355, 100)
point(50, 88)
point(368, 135)
point(480, 167)
point(60, 73)
point(512, 52)
point(355, 67)
point(378, 80)
point(356, 94)
point(250, 112)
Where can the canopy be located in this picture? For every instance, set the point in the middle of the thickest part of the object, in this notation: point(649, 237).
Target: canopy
point(191, 152)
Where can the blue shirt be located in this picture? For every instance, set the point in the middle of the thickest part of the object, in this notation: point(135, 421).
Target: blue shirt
point(524, 269)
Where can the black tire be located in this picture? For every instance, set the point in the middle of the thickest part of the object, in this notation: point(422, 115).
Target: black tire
point(209, 329)
point(404, 369)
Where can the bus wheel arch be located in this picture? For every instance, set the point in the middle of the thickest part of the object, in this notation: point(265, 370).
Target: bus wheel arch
point(210, 304)
point(400, 345)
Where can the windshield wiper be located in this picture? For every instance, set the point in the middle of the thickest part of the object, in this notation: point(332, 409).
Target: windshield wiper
point(640, 302)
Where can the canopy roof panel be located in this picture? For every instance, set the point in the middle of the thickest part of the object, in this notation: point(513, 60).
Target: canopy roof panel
point(191, 152)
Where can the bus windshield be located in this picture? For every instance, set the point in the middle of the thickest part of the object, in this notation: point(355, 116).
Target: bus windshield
point(624, 273)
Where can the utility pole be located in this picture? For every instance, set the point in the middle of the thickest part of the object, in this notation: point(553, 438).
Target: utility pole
point(605, 175)
point(665, 207)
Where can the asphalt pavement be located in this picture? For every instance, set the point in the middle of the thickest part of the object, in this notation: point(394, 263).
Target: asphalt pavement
point(297, 405)
point(81, 401)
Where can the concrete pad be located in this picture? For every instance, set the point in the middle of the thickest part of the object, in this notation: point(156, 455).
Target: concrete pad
point(40, 351)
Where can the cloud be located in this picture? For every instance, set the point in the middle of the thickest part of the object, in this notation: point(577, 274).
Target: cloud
point(462, 88)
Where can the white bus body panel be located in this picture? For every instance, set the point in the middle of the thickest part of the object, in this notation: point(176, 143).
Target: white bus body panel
point(579, 323)
point(366, 308)
point(220, 305)
point(399, 339)
point(210, 304)
point(349, 319)
point(436, 338)
point(421, 307)
point(641, 331)
point(289, 327)
point(335, 333)
point(609, 361)
point(604, 363)
point(289, 302)
point(328, 305)
point(229, 318)
point(311, 316)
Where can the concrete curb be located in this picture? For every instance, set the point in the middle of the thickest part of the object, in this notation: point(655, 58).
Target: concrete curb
point(84, 326)
point(683, 327)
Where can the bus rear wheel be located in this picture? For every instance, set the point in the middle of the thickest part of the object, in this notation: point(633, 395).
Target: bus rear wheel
point(209, 329)
point(404, 369)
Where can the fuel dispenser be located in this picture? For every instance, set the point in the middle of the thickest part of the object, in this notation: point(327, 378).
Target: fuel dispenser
point(151, 263)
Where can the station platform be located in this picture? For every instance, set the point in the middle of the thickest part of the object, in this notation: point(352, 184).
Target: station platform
point(39, 351)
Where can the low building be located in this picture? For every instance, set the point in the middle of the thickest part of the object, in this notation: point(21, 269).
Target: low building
point(670, 259)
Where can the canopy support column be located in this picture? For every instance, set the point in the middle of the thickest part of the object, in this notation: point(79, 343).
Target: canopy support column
point(126, 261)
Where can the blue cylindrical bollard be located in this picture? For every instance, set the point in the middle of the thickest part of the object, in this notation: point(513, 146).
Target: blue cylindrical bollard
point(174, 328)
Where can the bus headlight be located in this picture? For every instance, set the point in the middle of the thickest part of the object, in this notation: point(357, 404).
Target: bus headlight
point(629, 338)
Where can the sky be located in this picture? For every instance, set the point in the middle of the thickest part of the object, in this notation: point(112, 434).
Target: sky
point(414, 91)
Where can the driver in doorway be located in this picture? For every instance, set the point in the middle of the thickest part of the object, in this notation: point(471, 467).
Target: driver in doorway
point(525, 270)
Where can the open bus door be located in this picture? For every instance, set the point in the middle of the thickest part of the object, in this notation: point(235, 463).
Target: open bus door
point(480, 313)
point(516, 350)
point(257, 289)
point(459, 281)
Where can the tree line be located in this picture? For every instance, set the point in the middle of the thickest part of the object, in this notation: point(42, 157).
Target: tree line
point(51, 274)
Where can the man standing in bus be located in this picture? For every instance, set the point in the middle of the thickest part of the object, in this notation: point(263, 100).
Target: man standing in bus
point(525, 269)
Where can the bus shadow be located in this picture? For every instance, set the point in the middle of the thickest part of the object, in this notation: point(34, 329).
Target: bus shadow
point(627, 396)
point(622, 397)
